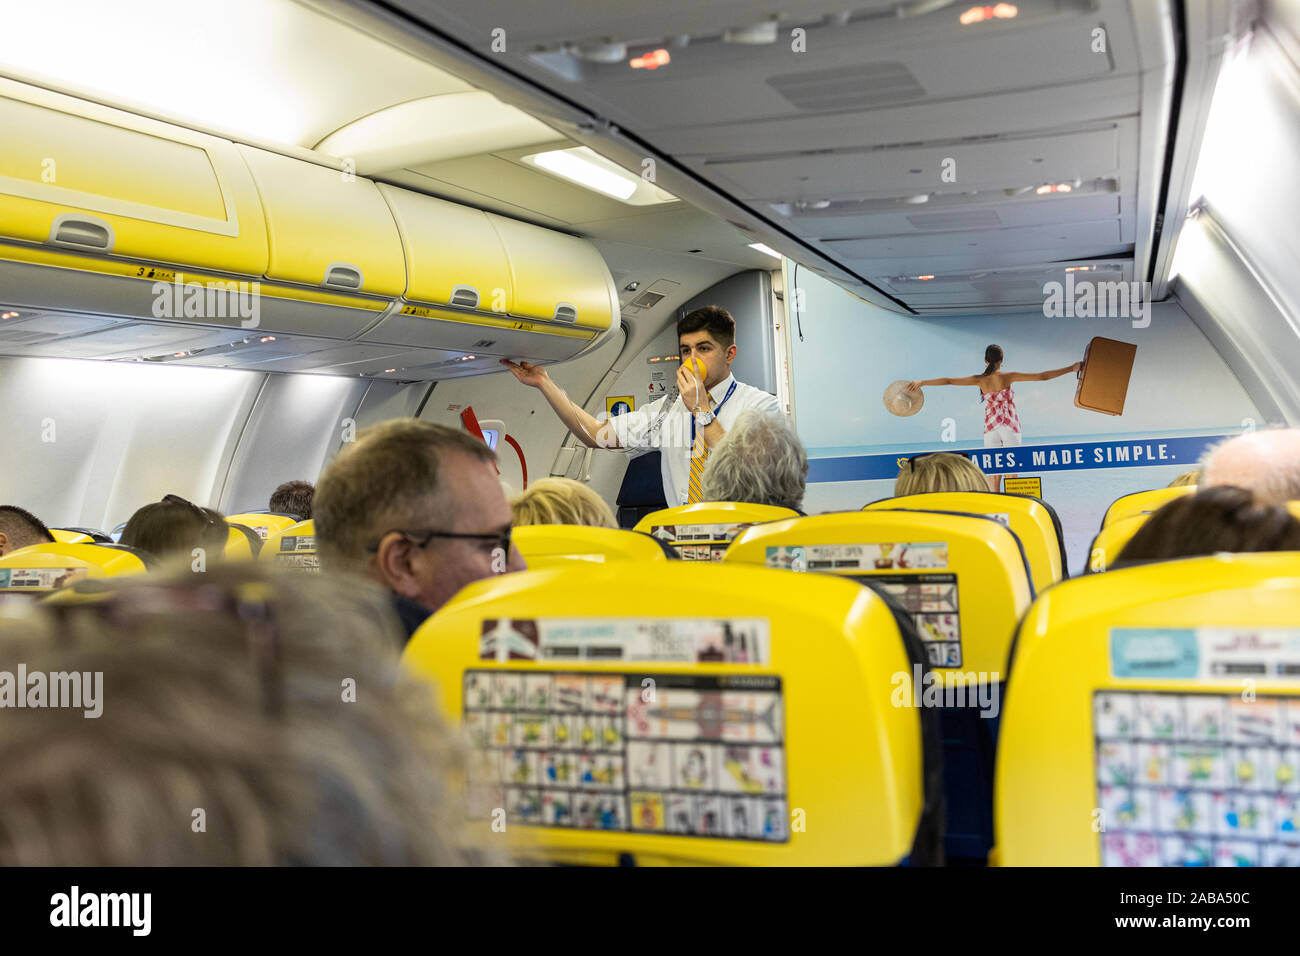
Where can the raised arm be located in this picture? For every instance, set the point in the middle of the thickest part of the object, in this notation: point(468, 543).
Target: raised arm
point(964, 380)
point(1043, 376)
point(585, 427)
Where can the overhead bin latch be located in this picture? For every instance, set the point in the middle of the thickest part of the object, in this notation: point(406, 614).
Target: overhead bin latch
point(79, 231)
point(564, 312)
point(343, 275)
point(465, 296)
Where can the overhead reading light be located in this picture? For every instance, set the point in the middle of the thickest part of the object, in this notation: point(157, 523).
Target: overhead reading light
point(766, 250)
point(580, 166)
point(1058, 188)
point(757, 33)
point(1078, 268)
point(9, 315)
point(607, 52)
point(650, 61)
point(925, 278)
point(999, 11)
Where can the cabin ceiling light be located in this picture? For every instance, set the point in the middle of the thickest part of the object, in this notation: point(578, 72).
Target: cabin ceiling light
point(766, 250)
point(650, 61)
point(580, 166)
point(917, 199)
point(992, 11)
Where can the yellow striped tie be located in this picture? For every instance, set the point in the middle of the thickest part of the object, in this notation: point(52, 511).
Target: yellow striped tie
point(700, 454)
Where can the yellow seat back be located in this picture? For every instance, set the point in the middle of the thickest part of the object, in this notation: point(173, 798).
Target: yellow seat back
point(717, 715)
point(963, 577)
point(1110, 541)
point(242, 543)
point(1143, 502)
point(701, 532)
point(41, 568)
point(1034, 522)
point(556, 545)
point(64, 536)
point(293, 547)
point(263, 523)
point(1155, 718)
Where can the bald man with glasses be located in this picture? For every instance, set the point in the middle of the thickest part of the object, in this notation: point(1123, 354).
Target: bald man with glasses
point(418, 508)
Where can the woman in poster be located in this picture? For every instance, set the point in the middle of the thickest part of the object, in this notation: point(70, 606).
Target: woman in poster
point(1001, 423)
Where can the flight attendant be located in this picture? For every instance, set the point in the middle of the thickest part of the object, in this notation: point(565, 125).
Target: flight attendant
point(1001, 423)
point(684, 429)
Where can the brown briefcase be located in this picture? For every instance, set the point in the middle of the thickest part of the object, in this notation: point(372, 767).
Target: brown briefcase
point(1103, 382)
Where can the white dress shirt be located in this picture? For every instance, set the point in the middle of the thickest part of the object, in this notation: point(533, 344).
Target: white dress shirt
point(673, 435)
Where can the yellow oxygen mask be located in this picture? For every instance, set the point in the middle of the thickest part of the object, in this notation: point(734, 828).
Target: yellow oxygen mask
point(697, 368)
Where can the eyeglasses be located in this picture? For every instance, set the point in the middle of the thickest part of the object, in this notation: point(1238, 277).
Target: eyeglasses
point(915, 458)
point(422, 539)
point(209, 522)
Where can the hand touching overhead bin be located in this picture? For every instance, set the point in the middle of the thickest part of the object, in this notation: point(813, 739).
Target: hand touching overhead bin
point(685, 431)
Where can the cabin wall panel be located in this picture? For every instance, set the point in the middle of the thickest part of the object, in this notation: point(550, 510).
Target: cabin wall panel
point(86, 443)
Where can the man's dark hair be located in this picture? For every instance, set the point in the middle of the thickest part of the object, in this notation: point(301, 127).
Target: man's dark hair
point(22, 527)
point(712, 319)
point(293, 498)
point(1219, 518)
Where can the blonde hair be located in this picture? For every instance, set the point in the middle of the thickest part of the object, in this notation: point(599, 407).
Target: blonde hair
point(561, 501)
point(943, 471)
point(1186, 478)
point(228, 693)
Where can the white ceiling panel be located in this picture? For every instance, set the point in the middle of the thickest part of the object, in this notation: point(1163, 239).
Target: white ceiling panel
point(984, 242)
point(1000, 164)
point(907, 219)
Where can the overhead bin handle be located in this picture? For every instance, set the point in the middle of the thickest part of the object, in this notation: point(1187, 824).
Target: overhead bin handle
point(79, 231)
point(465, 296)
point(343, 275)
point(565, 312)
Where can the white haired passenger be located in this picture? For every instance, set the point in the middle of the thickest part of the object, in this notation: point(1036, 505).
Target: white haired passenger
point(1266, 463)
point(760, 461)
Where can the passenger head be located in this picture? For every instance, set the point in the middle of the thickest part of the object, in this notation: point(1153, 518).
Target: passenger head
point(174, 527)
point(708, 334)
point(293, 498)
point(20, 529)
point(1221, 518)
point(379, 500)
point(561, 501)
point(1187, 478)
point(1265, 462)
point(227, 693)
point(993, 360)
point(939, 471)
point(760, 460)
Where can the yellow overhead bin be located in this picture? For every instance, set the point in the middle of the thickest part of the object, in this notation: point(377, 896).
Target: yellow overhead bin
point(85, 178)
point(454, 256)
point(557, 278)
point(326, 228)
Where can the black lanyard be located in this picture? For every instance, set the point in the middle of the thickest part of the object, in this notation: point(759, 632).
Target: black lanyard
point(716, 411)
